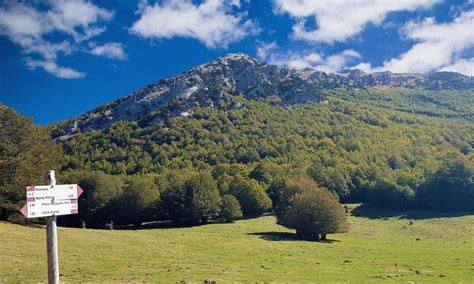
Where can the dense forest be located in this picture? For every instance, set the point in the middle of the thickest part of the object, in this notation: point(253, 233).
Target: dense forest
point(389, 148)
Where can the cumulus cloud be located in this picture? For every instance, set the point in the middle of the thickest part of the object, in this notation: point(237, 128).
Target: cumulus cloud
point(464, 66)
point(210, 22)
point(270, 53)
point(437, 47)
point(340, 20)
point(110, 50)
point(77, 18)
point(33, 26)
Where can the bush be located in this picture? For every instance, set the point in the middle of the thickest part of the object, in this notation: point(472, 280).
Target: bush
point(251, 196)
point(191, 197)
point(230, 208)
point(311, 210)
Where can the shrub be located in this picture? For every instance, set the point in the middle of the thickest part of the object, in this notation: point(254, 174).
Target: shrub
point(230, 208)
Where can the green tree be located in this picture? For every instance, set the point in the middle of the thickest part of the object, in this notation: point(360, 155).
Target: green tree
point(96, 204)
point(263, 172)
point(311, 210)
point(136, 204)
point(287, 191)
point(26, 153)
point(451, 188)
point(251, 196)
point(230, 208)
point(191, 197)
point(385, 194)
point(275, 189)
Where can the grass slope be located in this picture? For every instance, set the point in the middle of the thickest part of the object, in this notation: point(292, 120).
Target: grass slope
point(250, 250)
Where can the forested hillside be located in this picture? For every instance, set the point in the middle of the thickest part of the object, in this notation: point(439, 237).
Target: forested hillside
point(356, 144)
point(194, 153)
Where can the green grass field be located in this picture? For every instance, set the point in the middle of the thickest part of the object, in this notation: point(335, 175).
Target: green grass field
point(390, 249)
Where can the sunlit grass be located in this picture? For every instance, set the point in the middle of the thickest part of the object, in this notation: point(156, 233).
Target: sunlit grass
point(393, 249)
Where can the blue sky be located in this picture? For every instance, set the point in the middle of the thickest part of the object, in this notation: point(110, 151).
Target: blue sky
point(61, 58)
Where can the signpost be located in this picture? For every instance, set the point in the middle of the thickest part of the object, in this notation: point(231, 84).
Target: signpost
point(50, 201)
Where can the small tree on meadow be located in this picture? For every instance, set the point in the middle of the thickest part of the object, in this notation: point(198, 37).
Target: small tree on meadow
point(230, 208)
point(311, 210)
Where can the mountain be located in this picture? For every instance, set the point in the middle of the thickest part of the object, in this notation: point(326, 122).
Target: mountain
point(218, 81)
point(377, 138)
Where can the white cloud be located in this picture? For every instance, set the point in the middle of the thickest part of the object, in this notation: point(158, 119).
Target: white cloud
point(210, 22)
point(464, 66)
point(365, 66)
point(437, 45)
point(110, 50)
point(333, 63)
point(19, 20)
point(77, 18)
point(53, 68)
point(340, 20)
point(31, 25)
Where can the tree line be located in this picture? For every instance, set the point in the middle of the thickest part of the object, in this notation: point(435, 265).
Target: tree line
point(223, 164)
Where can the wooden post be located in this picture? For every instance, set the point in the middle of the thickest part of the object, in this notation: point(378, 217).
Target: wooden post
point(52, 239)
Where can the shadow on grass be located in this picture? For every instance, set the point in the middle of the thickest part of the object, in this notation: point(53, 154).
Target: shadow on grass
point(160, 225)
point(284, 236)
point(170, 225)
point(367, 212)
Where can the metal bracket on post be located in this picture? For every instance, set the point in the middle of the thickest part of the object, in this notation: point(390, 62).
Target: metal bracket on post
point(52, 239)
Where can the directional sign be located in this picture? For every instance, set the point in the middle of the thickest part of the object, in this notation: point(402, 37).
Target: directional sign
point(62, 191)
point(51, 200)
point(50, 208)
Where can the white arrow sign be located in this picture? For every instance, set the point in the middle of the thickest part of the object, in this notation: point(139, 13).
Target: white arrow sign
point(44, 192)
point(51, 200)
point(50, 208)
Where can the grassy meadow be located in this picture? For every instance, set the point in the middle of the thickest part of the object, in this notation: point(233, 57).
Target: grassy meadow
point(416, 246)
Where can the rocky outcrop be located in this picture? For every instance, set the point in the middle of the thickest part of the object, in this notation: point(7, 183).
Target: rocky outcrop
point(215, 82)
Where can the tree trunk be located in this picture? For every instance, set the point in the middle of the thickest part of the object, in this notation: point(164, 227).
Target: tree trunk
point(299, 234)
point(316, 237)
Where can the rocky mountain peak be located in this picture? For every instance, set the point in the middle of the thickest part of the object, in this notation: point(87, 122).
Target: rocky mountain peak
point(237, 74)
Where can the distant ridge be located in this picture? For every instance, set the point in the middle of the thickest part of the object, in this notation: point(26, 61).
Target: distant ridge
point(239, 74)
